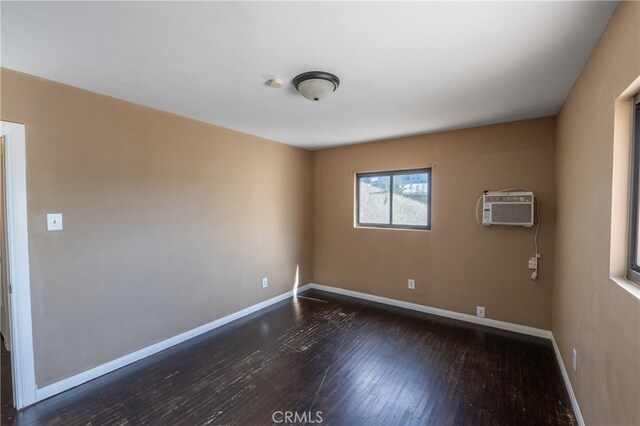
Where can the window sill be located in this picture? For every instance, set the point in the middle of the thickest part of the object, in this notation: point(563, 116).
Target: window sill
point(391, 229)
point(630, 286)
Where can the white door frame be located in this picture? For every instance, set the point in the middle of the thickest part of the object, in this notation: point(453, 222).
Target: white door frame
point(22, 362)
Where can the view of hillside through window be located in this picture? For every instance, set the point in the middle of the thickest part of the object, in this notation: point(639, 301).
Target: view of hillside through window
point(394, 199)
point(633, 267)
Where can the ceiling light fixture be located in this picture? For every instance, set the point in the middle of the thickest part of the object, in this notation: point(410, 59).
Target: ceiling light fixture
point(316, 85)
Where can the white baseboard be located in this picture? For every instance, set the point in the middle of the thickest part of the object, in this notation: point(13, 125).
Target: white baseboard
point(523, 329)
point(78, 379)
point(567, 383)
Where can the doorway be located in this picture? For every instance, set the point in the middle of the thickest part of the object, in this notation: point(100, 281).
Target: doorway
point(6, 387)
point(15, 312)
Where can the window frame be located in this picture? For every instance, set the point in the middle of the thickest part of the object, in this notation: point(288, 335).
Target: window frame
point(391, 174)
point(633, 269)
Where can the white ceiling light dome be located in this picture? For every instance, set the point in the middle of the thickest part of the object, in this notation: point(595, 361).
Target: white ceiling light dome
point(316, 85)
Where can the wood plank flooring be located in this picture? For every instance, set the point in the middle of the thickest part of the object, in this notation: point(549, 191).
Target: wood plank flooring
point(335, 359)
point(7, 412)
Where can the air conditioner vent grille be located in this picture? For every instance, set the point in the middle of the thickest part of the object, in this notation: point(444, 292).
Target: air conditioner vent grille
point(511, 213)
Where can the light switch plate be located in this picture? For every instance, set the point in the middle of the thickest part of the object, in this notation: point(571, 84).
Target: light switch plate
point(54, 222)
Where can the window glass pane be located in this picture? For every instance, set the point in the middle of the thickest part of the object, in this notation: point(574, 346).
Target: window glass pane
point(374, 199)
point(636, 237)
point(633, 269)
point(410, 195)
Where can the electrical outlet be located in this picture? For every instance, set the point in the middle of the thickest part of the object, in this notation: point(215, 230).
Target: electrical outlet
point(411, 284)
point(265, 282)
point(480, 311)
point(574, 359)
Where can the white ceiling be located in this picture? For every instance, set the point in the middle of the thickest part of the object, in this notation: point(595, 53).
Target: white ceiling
point(405, 68)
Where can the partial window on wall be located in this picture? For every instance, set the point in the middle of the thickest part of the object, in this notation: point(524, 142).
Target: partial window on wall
point(633, 270)
point(398, 199)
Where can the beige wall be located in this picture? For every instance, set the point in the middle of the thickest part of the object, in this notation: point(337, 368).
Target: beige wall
point(458, 264)
point(590, 312)
point(169, 223)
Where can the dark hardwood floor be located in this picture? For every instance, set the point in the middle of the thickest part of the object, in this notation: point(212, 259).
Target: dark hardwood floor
point(335, 359)
point(7, 412)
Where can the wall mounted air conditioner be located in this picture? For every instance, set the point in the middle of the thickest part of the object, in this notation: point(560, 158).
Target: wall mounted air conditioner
point(507, 208)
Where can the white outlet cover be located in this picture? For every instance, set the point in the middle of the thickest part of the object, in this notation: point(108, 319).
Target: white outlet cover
point(54, 222)
point(411, 284)
point(480, 311)
point(265, 282)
